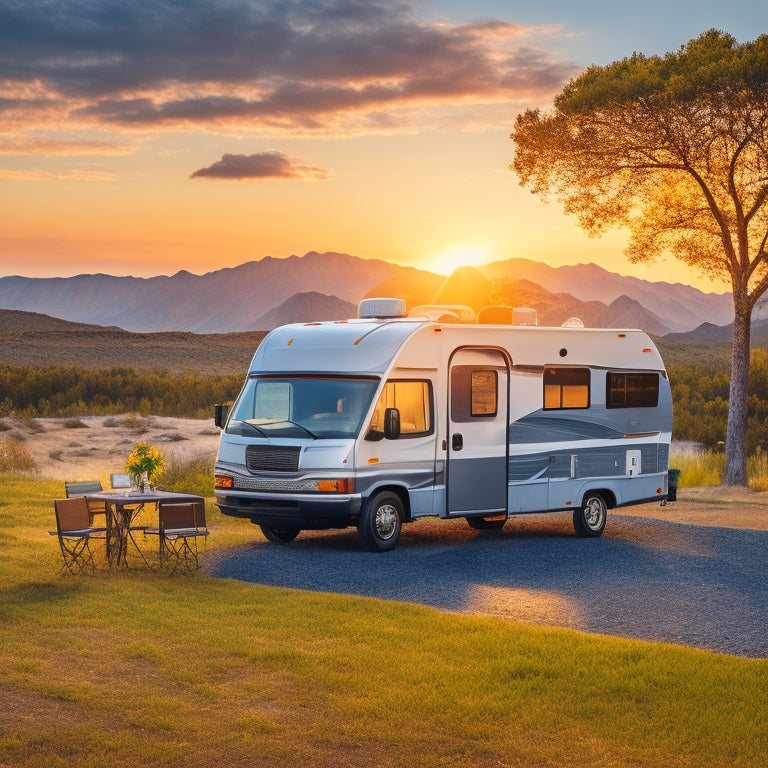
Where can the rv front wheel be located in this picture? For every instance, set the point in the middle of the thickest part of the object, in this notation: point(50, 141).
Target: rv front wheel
point(589, 519)
point(380, 522)
point(279, 535)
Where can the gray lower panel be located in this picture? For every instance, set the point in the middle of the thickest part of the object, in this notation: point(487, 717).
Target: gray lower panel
point(605, 461)
point(477, 484)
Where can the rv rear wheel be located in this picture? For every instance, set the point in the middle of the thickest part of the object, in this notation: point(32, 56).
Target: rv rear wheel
point(279, 535)
point(380, 522)
point(589, 519)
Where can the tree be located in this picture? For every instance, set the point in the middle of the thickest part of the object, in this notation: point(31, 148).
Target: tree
point(674, 149)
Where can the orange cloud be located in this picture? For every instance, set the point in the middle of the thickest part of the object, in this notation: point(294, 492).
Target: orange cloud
point(263, 165)
point(304, 67)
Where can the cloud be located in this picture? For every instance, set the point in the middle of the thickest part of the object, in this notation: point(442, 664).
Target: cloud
point(263, 165)
point(38, 174)
point(286, 66)
point(46, 145)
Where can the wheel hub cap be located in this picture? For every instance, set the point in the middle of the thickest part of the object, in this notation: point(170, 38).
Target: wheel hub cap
point(386, 518)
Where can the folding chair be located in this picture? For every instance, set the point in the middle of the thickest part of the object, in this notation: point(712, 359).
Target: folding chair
point(180, 526)
point(83, 488)
point(74, 530)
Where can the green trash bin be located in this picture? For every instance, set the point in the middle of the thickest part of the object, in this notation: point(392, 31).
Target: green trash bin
point(672, 476)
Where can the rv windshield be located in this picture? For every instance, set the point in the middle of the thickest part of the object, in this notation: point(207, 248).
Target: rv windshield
point(302, 406)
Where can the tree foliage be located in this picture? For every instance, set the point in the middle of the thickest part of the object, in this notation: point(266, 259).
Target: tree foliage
point(675, 150)
point(73, 391)
point(700, 401)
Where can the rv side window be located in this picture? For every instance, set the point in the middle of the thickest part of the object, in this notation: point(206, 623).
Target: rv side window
point(414, 401)
point(632, 390)
point(474, 392)
point(484, 389)
point(566, 388)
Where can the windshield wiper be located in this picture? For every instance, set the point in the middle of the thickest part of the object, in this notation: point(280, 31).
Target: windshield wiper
point(255, 428)
point(293, 424)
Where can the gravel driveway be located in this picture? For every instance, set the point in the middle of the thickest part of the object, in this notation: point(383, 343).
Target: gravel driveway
point(703, 587)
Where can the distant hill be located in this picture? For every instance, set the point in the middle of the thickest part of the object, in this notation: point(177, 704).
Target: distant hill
point(30, 338)
point(305, 306)
point(34, 339)
point(255, 295)
point(705, 332)
point(14, 321)
point(680, 307)
point(556, 308)
point(232, 299)
point(709, 333)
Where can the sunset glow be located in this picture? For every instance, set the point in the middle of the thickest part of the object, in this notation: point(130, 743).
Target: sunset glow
point(204, 135)
point(460, 256)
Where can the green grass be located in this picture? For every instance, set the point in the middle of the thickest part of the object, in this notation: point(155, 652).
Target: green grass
point(703, 467)
point(143, 669)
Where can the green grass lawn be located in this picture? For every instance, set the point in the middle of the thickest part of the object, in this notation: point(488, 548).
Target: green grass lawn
point(137, 668)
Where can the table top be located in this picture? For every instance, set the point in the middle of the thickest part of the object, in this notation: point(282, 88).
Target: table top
point(133, 496)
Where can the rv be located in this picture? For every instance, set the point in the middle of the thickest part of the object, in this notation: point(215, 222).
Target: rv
point(389, 417)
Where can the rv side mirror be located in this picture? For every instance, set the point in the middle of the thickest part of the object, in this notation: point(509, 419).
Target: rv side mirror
point(391, 423)
point(220, 415)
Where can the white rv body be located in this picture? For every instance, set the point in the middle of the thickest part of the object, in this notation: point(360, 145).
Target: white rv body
point(489, 421)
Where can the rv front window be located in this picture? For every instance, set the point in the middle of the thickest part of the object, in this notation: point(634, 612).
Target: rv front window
point(414, 401)
point(297, 406)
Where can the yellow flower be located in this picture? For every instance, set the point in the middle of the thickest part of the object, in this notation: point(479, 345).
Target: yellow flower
point(145, 458)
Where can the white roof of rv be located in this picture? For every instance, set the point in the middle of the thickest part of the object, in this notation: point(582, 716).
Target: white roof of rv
point(372, 346)
point(350, 346)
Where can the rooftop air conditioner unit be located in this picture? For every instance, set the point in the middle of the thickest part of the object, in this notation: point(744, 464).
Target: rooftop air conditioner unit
point(381, 308)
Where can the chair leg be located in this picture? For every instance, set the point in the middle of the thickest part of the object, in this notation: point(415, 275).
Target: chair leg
point(178, 552)
point(77, 555)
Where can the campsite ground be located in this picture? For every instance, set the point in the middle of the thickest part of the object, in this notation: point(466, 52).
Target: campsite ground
point(91, 447)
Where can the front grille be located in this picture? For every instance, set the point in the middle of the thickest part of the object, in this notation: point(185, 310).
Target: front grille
point(272, 458)
point(273, 484)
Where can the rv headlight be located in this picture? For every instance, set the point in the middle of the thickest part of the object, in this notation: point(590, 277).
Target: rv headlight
point(338, 485)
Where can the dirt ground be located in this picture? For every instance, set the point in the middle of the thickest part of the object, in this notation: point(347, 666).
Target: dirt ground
point(91, 447)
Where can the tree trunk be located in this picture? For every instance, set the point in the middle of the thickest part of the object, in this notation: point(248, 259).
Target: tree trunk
point(736, 436)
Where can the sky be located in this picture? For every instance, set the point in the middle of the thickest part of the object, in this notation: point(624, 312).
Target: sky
point(144, 137)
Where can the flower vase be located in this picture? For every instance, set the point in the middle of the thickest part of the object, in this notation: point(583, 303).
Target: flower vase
point(145, 486)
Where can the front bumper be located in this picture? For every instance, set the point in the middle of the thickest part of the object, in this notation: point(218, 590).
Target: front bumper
point(303, 511)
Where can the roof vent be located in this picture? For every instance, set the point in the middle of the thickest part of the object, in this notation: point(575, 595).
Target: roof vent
point(572, 322)
point(507, 316)
point(381, 308)
point(444, 313)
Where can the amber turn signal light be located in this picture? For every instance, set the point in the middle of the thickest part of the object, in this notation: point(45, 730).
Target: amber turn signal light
point(341, 485)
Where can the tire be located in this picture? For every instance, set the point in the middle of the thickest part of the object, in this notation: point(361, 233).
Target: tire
point(380, 522)
point(486, 523)
point(279, 535)
point(590, 518)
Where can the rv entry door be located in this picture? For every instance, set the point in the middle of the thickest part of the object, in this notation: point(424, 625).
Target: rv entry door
point(476, 476)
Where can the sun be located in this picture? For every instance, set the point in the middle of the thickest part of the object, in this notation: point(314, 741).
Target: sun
point(465, 255)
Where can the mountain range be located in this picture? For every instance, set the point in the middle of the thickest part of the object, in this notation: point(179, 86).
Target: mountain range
point(260, 295)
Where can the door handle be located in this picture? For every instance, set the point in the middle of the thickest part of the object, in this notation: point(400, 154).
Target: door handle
point(457, 441)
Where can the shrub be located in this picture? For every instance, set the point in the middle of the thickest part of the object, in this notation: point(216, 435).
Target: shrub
point(191, 476)
point(14, 456)
point(74, 424)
